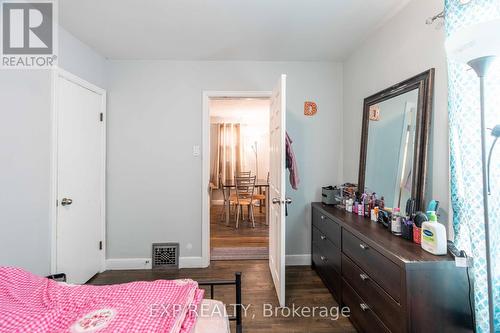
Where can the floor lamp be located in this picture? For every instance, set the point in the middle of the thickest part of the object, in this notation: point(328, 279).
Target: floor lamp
point(478, 46)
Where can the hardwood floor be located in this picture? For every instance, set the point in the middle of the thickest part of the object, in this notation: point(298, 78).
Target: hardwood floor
point(222, 235)
point(303, 288)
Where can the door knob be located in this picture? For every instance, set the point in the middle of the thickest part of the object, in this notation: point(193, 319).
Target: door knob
point(276, 201)
point(288, 201)
point(66, 202)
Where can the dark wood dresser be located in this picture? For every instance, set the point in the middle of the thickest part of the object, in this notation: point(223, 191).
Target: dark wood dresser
point(390, 284)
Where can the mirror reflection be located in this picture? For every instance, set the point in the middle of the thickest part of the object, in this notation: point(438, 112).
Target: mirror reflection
point(390, 148)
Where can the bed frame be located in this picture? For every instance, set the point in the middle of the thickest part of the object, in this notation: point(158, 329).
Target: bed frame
point(212, 283)
point(237, 283)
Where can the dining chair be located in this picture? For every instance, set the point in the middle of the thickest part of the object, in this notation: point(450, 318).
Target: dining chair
point(261, 196)
point(245, 187)
point(228, 198)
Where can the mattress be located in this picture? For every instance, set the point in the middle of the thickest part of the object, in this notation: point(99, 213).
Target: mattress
point(212, 318)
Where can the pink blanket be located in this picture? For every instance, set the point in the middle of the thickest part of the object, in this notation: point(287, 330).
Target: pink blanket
point(29, 303)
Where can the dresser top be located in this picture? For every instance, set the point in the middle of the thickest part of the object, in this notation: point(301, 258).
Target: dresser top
point(397, 248)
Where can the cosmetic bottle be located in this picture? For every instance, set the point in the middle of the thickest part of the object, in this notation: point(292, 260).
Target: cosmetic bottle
point(349, 205)
point(396, 222)
point(362, 203)
point(374, 214)
point(382, 202)
point(355, 207)
point(367, 205)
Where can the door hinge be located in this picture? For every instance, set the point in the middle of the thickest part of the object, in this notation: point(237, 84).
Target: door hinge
point(101, 116)
point(100, 245)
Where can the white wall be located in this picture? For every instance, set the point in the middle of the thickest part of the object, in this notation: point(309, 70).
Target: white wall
point(79, 59)
point(25, 151)
point(403, 47)
point(24, 169)
point(155, 118)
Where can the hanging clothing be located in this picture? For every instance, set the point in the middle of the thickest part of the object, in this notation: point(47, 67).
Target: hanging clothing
point(291, 163)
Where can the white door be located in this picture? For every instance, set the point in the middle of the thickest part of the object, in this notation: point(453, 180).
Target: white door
point(80, 180)
point(277, 189)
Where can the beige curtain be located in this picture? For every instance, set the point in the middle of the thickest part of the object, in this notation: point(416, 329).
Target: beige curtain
point(228, 152)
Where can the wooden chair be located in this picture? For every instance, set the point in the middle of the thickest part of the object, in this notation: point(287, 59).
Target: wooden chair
point(261, 196)
point(244, 174)
point(228, 199)
point(245, 187)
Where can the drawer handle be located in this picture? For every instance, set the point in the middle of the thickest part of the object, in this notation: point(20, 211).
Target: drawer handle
point(323, 237)
point(363, 246)
point(322, 217)
point(364, 307)
point(364, 277)
point(323, 258)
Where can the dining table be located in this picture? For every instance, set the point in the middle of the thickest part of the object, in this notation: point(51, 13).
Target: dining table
point(260, 184)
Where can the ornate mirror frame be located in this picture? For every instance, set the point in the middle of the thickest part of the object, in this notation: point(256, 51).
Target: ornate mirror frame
point(425, 84)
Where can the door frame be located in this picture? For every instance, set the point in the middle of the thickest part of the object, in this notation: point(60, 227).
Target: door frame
point(55, 75)
point(205, 156)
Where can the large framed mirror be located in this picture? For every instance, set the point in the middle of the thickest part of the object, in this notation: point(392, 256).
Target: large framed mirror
point(395, 141)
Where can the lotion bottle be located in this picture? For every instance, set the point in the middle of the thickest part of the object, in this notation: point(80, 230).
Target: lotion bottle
point(434, 236)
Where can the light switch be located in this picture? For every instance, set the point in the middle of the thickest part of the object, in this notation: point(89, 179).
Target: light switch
point(196, 150)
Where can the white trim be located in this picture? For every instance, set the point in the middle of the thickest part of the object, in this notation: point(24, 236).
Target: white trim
point(55, 74)
point(191, 262)
point(53, 174)
point(205, 156)
point(128, 263)
point(298, 260)
point(145, 263)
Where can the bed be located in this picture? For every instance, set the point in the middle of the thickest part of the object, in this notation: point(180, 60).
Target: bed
point(33, 304)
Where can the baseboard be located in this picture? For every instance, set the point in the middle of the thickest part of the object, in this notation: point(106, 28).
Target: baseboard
point(145, 263)
point(190, 262)
point(298, 260)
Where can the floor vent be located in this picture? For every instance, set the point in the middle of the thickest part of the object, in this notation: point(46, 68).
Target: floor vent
point(165, 255)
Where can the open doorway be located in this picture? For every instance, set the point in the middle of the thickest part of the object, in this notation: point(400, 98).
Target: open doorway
point(239, 169)
point(238, 151)
point(276, 201)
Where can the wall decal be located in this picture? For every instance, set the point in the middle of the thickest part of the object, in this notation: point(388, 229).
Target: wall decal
point(310, 108)
point(374, 112)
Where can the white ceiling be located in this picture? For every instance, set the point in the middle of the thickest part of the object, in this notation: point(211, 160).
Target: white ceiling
point(286, 30)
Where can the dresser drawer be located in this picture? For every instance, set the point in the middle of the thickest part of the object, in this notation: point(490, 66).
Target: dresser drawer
point(329, 227)
point(332, 254)
point(327, 265)
point(375, 297)
point(322, 239)
point(383, 271)
point(362, 315)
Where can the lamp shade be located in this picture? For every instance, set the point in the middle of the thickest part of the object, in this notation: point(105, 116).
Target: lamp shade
point(475, 41)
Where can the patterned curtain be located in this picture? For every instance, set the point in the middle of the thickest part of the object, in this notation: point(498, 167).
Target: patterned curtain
point(228, 153)
point(465, 158)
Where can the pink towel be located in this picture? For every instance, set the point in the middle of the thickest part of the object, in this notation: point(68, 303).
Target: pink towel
point(291, 163)
point(29, 303)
